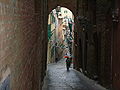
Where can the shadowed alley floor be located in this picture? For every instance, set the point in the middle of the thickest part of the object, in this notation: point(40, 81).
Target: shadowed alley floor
point(59, 79)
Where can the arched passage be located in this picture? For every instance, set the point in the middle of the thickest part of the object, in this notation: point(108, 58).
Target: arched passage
point(60, 34)
point(23, 40)
point(72, 5)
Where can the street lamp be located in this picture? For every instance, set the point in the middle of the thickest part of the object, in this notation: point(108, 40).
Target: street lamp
point(58, 9)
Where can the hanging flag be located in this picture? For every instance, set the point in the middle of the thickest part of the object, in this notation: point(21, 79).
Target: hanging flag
point(70, 27)
point(49, 32)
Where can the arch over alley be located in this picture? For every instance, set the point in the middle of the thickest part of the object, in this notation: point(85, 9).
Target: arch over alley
point(70, 4)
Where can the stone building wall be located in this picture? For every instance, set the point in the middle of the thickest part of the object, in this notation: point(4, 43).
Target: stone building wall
point(104, 28)
point(94, 41)
point(42, 40)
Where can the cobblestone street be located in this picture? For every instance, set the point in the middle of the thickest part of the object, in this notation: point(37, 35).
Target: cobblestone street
point(59, 79)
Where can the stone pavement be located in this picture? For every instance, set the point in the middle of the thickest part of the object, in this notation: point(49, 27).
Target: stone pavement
point(58, 78)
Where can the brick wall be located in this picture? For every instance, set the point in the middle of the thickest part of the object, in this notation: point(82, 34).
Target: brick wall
point(17, 43)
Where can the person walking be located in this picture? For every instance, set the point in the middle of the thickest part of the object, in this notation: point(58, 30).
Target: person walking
point(68, 61)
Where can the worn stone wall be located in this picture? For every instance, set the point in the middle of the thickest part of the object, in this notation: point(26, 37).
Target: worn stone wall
point(94, 41)
point(41, 11)
point(104, 27)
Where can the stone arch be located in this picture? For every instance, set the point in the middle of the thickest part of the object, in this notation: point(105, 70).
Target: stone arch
point(69, 4)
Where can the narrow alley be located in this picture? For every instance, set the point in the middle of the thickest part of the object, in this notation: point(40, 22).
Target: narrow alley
point(36, 34)
point(58, 78)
